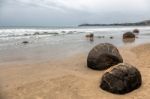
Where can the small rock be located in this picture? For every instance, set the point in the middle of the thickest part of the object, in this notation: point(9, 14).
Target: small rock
point(111, 37)
point(27, 34)
point(25, 42)
point(36, 33)
point(91, 35)
point(136, 31)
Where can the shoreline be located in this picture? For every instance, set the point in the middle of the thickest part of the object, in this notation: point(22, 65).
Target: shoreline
point(69, 78)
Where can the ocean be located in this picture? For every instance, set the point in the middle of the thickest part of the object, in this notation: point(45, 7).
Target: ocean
point(46, 43)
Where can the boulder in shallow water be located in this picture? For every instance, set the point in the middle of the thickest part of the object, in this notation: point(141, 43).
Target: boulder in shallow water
point(136, 31)
point(121, 79)
point(103, 56)
point(128, 35)
point(91, 35)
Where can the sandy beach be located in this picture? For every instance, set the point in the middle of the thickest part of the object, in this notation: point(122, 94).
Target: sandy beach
point(74, 49)
point(69, 78)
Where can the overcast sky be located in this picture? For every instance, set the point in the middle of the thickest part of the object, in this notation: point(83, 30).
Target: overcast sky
point(71, 12)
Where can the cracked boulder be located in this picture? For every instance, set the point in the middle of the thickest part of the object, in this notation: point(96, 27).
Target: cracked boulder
point(103, 56)
point(121, 79)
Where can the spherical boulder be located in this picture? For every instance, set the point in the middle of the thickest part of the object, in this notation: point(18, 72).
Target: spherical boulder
point(121, 79)
point(128, 35)
point(103, 56)
point(136, 31)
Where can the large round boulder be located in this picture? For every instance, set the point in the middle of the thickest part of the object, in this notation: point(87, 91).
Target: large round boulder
point(121, 79)
point(128, 35)
point(103, 56)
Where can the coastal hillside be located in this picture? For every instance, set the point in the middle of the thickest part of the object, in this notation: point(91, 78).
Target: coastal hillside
point(142, 23)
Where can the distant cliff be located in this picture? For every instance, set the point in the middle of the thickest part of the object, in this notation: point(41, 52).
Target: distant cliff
point(142, 23)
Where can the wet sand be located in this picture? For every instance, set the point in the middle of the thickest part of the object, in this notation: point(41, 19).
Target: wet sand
point(69, 78)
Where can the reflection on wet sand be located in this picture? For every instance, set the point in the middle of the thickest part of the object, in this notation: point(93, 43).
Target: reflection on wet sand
point(129, 40)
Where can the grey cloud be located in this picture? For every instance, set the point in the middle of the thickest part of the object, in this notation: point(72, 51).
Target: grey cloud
point(70, 12)
point(2, 2)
